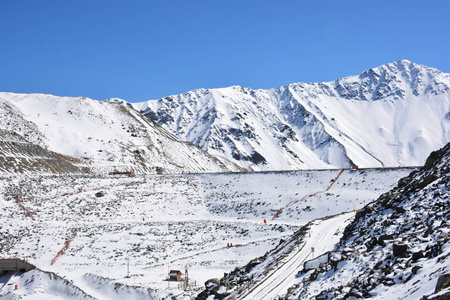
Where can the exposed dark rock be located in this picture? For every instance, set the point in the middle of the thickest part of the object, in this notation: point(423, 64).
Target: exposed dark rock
point(384, 237)
point(433, 251)
point(400, 250)
point(399, 210)
point(257, 158)
point(431, 160)
point(442, 283)
point(417, 255)
point(212, 285)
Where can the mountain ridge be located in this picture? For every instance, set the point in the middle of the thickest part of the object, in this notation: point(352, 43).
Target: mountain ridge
point(104, 137)
point(323, 124)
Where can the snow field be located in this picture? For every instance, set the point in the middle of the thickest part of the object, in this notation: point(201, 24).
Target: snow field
point(168, 222)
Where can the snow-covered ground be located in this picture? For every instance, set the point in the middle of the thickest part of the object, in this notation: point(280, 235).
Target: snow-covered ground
point(159, 223)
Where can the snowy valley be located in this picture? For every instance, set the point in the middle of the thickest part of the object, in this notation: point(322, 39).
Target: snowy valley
point(294, 192)
point(395, 248)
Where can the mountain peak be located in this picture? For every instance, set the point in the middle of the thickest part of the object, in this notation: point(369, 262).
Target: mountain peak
point(353, 120)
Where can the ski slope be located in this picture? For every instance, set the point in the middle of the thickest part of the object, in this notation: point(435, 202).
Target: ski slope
point(324, 234)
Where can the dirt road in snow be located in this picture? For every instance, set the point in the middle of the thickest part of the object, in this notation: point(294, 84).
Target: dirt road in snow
point(324, 235)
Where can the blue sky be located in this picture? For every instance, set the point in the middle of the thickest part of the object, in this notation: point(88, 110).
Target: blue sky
point(140, 50)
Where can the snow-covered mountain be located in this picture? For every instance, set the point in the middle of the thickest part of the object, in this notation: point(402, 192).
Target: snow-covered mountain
point(392, 115)
point(397, 247)
point(98, 136)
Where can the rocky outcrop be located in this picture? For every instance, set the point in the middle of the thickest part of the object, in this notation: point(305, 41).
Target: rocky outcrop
point(398, 239)
point(17, 155)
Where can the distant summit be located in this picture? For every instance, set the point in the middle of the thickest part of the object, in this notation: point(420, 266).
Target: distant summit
point(388, 116)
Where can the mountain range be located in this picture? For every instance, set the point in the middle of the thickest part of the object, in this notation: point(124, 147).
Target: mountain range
point(389, 116)
point(307, 234)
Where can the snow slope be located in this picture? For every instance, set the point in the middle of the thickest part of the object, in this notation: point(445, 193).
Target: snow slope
point(18, 155)
point(397, 247)
point(166, 222)
point(392, 115)
point(39, 285)
point(321, 237)
point(102, 136)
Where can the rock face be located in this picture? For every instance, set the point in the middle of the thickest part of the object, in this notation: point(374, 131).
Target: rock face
point(392, 115)
point(442, 283)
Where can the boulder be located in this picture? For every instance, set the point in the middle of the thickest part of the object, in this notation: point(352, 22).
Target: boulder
point(384, 237)
point(212, 285)
point(400, 250)
point(442, 283)
point(417, 255)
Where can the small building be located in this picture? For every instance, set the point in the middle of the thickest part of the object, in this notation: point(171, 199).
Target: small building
point(175, 275)
point(15, 265)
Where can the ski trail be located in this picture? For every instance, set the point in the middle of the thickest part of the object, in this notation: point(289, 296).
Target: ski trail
point(323, 237)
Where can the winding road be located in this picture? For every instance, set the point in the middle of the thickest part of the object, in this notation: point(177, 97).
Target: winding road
point(324, 235)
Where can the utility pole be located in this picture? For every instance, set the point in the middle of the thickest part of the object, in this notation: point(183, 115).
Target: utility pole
point(128, 267)
point(186, 277)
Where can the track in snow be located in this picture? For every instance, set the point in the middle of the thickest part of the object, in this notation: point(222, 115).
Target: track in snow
point(323, 238)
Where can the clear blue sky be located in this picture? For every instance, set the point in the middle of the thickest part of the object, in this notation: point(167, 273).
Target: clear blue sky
point(140, 50)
